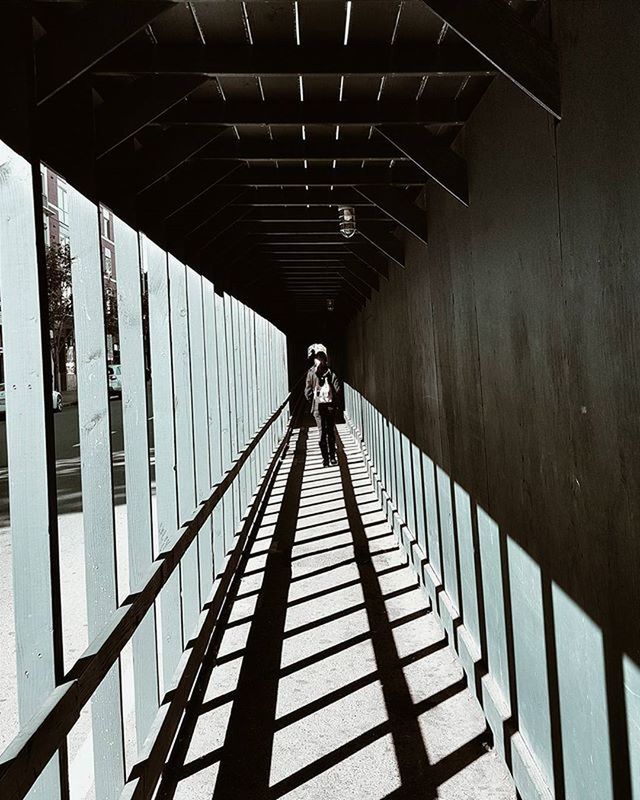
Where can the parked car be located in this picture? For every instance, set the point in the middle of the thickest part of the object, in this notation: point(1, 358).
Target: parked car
point(56, 398)
point(114, 374)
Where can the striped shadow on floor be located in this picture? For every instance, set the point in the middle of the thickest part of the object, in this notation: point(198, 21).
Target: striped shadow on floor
point(330, 677)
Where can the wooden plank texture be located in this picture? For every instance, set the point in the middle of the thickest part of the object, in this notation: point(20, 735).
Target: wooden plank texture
point(214, 406)
point(96, 481)
point(137, 471)
point(31, 487)
point(200, 425)
point(185, 467)
point(28, 754)
point(164, 444)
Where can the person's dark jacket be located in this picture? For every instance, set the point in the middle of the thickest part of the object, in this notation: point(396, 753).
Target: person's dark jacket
point(313, 384)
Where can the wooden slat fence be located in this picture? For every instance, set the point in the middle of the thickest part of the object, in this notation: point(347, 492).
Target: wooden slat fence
point(203, 420)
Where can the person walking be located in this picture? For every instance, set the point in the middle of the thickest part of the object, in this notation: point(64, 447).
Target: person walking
point(322, 390)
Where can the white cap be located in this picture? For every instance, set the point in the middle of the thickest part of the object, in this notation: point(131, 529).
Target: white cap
point(316, 348)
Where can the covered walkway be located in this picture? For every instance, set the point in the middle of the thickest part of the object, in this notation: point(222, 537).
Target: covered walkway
point(445, 195)
point(330, 676)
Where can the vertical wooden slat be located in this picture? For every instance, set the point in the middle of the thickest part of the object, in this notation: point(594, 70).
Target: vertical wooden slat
point(96, 480)
point(226, 443)
point(185, 469)
point(214, 403)
point(234, 501)
point(155, 261)
point(256, 383)
point(136, 464)
point(237, 313)
point(247, 389)
point(200, 424)
point(31, 474)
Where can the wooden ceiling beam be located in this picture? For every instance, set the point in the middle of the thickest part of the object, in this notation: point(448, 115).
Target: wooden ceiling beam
point(315, 196)
point(234, 112)
point(386, 243)
point(394, 203)
point(64, 55)
point(279, 230)
point(359, 272)
point(244, 60)
point(318, 149)
point(399, 175)
point(436, 160)
point(514, 48)
point(215, 226)
point(264, 218)
point(137, 106)
point(184, 188)
point(170, 152)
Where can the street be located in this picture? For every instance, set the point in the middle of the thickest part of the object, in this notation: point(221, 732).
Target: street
point(69, 491)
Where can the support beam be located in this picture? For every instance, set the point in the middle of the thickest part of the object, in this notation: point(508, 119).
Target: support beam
point(370, 255)
point(186, 186)
point(302, 197)
point(434, 112)
point(386, 243)
point(346, 271)
point(394, 203)
point(172, 150)
point(242, 61)
point(206, 207)
point(513, 47)
point(215, 226)
point(323, 229)
point(400, 175)
point(357, 270)
point(91, 34)
point(324, 149)
point(291, 218)
point(440, 163)
point(138, 106)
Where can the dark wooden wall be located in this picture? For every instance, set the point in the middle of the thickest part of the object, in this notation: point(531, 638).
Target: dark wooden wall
point(508, 350)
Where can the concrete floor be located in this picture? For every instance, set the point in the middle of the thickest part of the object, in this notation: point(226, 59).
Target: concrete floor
point(332, 678)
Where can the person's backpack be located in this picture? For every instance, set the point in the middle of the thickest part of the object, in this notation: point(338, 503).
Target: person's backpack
point(324, 392)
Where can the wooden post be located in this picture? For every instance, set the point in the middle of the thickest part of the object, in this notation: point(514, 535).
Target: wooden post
point(136, 464)
point(155, 260)
point(28, 381)
point(97, 489)
point(185, 468)
point(234, 502)
point(214, 408)
point(226, 439)
point(31, 456)
point(200, 425)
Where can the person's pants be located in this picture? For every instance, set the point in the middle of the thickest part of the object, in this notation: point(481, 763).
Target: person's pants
point(325, 420)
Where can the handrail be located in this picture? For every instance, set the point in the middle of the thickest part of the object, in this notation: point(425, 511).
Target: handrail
point(35, 745)
point(147, 769)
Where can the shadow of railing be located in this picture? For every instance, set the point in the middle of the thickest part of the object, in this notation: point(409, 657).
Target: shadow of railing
point(251, 760)
point(562, 701)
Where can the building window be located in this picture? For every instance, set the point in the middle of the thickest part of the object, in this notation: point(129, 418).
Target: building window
point(108, 264)
point(63, 203)
point(107, 227)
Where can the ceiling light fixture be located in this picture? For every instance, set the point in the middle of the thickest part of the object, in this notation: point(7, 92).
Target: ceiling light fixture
point(347, 221)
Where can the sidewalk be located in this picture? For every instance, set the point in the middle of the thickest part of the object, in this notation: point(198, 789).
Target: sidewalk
point(70, 397)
